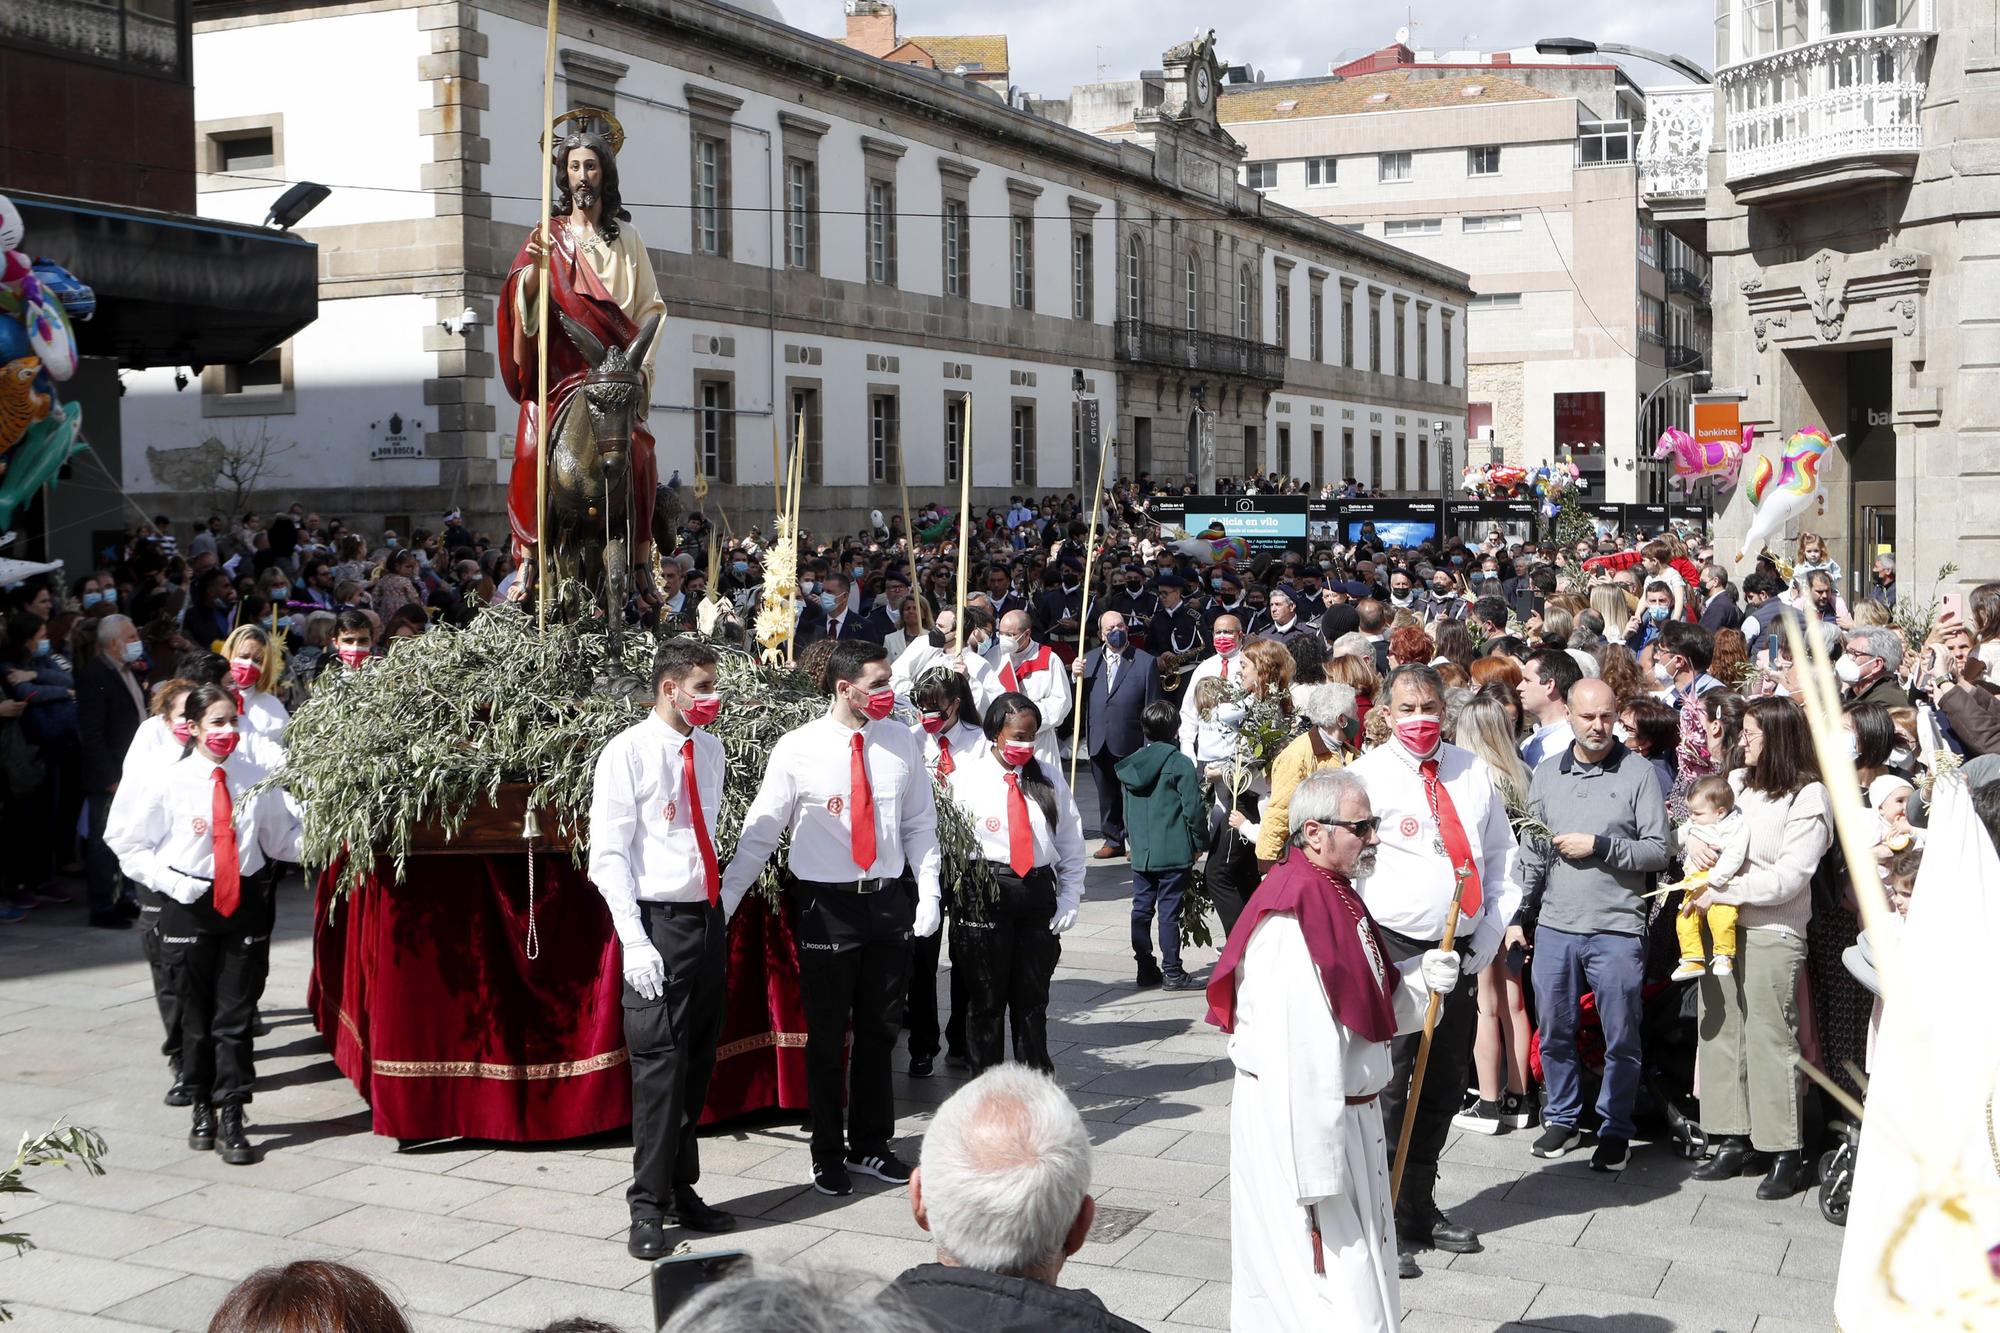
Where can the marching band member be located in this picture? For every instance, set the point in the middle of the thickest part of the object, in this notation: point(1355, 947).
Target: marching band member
point(952, 736)
point(857, 800)
point(1031, 835)
point(1174, 636)
point(254, 668)
point(196, 835)
point(656, 798)
point(1033, 669)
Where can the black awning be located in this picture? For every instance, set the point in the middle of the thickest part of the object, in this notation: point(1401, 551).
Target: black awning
point(175, 290)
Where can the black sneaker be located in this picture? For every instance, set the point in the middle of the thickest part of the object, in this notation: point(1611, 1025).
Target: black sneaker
point(831, 1179)
point(923, 1066)
point(884, 1165)
point(1482, 1117)
point(1611, 1154)
point(1149, 975)
point(1518, 1110)
point(1180, 981)
point(1556, 1140)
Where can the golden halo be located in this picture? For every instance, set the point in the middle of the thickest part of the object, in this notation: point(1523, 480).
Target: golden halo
point(614, 133)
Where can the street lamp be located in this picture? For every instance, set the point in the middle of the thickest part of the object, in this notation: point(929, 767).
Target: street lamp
point(1579, 46)
point(1639, 458)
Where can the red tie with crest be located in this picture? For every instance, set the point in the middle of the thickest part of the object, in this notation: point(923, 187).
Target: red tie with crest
point(222, 828)
point(1020, 837)
point(944, 764)
point(1225, 669)
point(1457, 849)
point(861, 809)
point(691, 786)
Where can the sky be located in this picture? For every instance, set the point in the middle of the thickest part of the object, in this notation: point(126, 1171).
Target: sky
point(1056, 43)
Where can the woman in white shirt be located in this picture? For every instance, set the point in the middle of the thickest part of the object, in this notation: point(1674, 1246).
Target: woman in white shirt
point(194, 834)
point(909, 628)
point(949, 727)
point(254, 668)
point(1028, 829)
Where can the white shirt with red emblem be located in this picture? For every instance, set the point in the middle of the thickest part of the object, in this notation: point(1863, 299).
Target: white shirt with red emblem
point(980, 789)
point(642, 839)
point(159, 826)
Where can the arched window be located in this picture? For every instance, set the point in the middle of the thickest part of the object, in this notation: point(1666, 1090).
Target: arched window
point(1135, 279)
point(1193, 291)
point(1244, 323)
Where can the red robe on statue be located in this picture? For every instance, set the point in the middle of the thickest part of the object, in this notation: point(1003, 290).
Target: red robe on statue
point(575, 289)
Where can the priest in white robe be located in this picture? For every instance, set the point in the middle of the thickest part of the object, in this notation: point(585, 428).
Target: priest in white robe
point(1310, 1000)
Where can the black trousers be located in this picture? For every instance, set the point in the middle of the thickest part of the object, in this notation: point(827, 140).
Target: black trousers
point(1443, 1092)
point(920, 1009)
point(104, 885)
point(152, 908)
point(672, 1044)
point(1009, 956)
point(1110, 797)
point(854, 969)
point(216, 966)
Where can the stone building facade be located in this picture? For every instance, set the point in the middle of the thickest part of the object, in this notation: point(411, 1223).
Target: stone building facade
point(845, 244)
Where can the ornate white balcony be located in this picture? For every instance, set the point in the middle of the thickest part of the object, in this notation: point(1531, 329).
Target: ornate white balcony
point(1854, 101)
point(1673, 151)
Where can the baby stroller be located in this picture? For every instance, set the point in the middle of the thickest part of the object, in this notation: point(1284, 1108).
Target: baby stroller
point(1836, 1164)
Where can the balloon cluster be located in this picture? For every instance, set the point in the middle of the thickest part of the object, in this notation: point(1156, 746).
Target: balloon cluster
point(1506, 481)
point(38, 431)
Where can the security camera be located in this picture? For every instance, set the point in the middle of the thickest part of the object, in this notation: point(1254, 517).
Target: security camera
point(458, 324)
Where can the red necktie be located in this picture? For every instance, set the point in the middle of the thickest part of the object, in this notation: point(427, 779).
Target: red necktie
point(1020, 837)
point(692, 789)
point(1456, 849)
point(222, 827)
point(944, 764)
point(861, 810)
point(1224, 673)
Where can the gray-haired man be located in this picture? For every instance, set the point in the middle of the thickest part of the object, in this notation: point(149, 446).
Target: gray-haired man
point(1867, 667)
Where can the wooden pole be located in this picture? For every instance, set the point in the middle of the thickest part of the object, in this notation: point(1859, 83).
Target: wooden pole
point(542, 590)
point(795, 483)
point(909, 533)
point(1423, 1058)
point(964, 527)
point(1083, 608)
point(777, 468)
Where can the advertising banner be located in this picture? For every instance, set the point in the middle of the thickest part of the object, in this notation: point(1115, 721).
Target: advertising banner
point(1388, 522)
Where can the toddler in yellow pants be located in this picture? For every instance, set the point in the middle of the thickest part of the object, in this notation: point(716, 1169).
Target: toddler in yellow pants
point(1714, 819)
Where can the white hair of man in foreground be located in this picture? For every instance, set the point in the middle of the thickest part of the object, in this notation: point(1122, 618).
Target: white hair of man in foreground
point(776, 1301)
point(1004, 1177)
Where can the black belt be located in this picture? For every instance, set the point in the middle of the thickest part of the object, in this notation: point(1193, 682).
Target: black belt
point(1006, 868)
point(679, 909)
point(206, 879)
point(853, 885)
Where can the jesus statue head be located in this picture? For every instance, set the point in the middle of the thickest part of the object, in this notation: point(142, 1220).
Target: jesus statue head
point(587, 182)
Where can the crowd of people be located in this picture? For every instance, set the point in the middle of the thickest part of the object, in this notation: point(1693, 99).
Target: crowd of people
point(1557, 802)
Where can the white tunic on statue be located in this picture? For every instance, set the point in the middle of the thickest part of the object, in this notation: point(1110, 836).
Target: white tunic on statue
point(1295, 1140)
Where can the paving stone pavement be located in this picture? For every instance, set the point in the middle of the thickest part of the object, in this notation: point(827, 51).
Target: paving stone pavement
point(480, 1236)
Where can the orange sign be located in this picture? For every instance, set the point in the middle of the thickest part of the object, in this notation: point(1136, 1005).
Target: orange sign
point(1717, 423)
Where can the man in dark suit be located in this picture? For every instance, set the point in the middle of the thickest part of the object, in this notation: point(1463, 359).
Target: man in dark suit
point(821, 621)
point(110, 705)
point(887, 613)
point(1720, 611)
point(1119, 680)
point(1000, 590)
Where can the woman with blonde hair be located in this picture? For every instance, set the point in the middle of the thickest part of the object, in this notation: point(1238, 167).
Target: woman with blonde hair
point(1267, 670)
point(1500, 1040)
point(255, 667)
point(1358, 673)
point(1616, 607)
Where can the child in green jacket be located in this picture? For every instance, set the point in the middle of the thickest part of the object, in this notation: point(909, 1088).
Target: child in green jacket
point(1166, 828)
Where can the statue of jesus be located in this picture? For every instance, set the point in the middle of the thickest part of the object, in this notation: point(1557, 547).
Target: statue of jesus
point(599, 276)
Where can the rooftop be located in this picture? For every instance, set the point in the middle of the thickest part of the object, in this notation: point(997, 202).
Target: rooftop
point(978, 52)
point(1391, 90)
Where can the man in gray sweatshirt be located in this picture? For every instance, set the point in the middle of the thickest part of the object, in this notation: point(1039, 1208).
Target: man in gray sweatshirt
point(1583, 907)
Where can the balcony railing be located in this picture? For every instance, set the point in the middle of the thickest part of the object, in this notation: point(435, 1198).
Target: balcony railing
point(1193, 349)
point(148, 35)
point(1686, 282)
point(1673, 150)
point(1680, 356)
point(1857, 95)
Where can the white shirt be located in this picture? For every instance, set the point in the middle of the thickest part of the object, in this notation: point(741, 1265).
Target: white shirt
point(980, 789)
point(920, 658)
point(264, 716)
point(806, 791)
point(1191, 723)
point(1413, 885)
point(159, 830)
point(966, 740)
point(1549, 740)
point(153, 747)
point(642, 843)
point(1049, 687)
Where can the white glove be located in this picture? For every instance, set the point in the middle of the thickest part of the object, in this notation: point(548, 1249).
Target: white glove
point(929, 917)
point(1440, 970)
point(645, 970)
point(1063, 920)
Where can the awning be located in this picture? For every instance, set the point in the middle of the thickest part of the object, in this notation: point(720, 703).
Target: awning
point(175, 290)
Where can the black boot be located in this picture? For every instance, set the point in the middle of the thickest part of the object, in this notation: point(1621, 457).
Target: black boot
point(1733, 1157)
point(230, 1140)
point(1789, 1174)
point(201, 1129)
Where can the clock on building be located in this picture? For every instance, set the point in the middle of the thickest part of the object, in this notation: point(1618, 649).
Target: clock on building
point(1203, 85)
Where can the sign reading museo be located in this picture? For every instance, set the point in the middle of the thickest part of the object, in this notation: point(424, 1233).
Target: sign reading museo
point(1267, 522)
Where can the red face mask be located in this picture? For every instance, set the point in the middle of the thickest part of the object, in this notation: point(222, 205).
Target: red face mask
point(221, 744)
point(245, 674)
point(880, 703)
point(700, 709)
point(182, 730)
point(1017, 753)
point(1225, 644)
point(1420, 735)
point(934, 723)
point(355, 657)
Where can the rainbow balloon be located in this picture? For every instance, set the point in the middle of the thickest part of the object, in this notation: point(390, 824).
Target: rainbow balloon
point(1782, 492)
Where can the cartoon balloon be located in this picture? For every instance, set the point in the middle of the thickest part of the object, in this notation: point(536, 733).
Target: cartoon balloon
point(1782, 492)
point(1213, 550)
point(1719, 460)
point(875, 517)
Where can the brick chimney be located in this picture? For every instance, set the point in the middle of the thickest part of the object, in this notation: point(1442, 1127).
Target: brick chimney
point(871, 27)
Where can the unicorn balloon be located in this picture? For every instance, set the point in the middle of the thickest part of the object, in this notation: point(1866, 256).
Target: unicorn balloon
point(1783, 492)
point(1695, 459)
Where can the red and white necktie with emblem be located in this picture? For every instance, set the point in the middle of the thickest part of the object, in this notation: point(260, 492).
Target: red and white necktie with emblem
point(1020, 837)
point(860, 809)
point(691, 787)
point(228, 888)
point(944, 764)
point(1457, 849)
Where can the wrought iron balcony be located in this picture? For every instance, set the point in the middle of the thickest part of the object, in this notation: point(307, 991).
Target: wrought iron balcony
point(1673, 149)
point(1194, 349)
point(1858, 95)
point(147, 35)
point(1686, 282)
point(1682, 357)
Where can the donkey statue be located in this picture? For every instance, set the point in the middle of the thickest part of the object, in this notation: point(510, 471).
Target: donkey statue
point(590, 509)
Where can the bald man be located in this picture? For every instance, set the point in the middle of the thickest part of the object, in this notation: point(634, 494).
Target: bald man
point(1120, 679)
point(1024, 666)
point(1213, 742)
point(1584, 914)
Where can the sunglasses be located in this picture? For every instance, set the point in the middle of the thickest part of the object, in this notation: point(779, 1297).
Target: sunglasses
point(1360, 828)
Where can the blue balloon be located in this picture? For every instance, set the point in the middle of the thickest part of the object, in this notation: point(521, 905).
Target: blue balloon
point(13, 340)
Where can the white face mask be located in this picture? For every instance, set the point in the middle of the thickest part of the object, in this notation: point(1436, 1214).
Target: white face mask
point(1853, 747)
point(1010, 645)
point(1848, 670)
point(1662, 674)
point(1899, 757)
